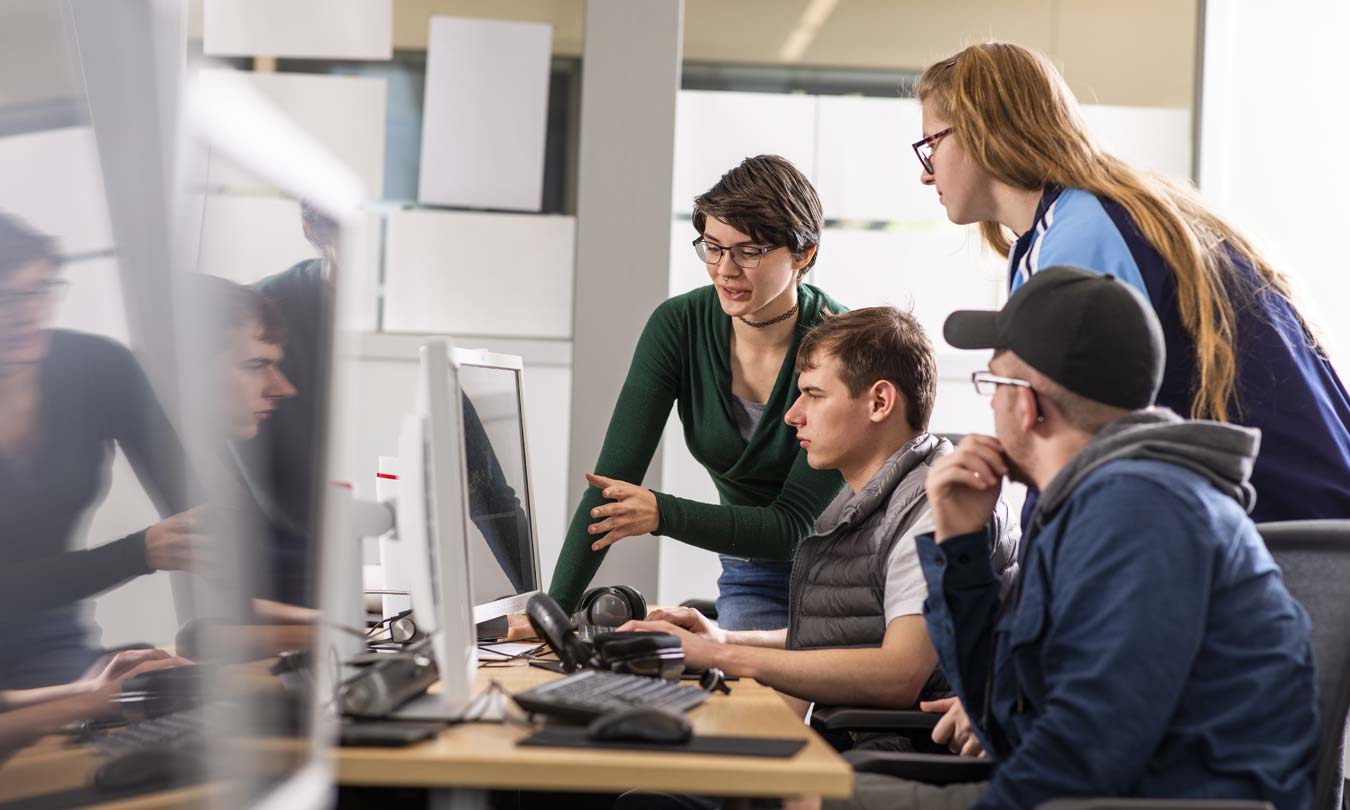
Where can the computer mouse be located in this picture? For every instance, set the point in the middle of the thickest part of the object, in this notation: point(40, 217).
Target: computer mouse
point(641, 725)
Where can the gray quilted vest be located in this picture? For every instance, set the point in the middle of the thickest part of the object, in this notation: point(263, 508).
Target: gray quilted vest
point(838, 585)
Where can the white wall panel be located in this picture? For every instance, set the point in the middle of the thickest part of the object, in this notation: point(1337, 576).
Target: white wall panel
point(93, 300)
point(344, 113)
point(246, 238)
point(866, 168)
point(717, 130)
point(1153, 138)
point(930, 268)
point(53, 183)
point(473, 273)
point(312, 29)
point(485, 112)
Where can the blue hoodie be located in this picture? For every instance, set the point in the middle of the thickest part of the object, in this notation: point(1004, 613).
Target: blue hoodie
point(1285, 387)
point(1150, 648)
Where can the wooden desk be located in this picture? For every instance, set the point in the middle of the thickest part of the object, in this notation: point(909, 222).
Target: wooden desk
point(485, 756)
point(481, 756)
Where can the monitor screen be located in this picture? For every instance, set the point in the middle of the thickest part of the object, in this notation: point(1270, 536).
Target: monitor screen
point(500, 533)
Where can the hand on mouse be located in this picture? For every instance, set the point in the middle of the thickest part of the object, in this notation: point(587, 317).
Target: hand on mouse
point(699, 653)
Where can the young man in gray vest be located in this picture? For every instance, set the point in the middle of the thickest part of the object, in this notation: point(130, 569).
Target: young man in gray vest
point(856, 632)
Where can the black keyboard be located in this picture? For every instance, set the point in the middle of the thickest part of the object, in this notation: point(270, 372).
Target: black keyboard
point(178, 728)
point(584, 696)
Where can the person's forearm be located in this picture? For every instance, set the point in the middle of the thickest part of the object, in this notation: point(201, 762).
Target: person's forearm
point(775, 639)
point(855, 677)
point(22, 726)
point(12, 699)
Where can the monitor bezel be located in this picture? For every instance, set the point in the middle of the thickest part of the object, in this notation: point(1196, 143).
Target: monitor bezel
point(485, 610)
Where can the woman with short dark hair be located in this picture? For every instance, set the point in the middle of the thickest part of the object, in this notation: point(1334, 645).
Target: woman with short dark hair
point(724, 356)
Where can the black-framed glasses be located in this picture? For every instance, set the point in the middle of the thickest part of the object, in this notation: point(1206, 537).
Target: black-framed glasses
point(986, 383)
point(924, 148)
point(744, 257)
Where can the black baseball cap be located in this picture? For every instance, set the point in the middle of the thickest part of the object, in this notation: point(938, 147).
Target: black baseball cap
point(1091, 333)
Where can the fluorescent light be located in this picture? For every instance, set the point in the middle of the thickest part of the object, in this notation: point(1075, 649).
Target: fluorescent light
point(813, 17)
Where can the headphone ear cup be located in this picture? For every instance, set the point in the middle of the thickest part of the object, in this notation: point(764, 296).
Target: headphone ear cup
point(583, 611)
point(637, 606)
point(557, 630)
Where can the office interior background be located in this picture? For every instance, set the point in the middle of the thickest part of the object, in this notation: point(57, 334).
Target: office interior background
point(565, 265)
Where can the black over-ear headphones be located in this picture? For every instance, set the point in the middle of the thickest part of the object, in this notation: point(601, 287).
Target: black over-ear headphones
point(610, 606)
point(658, 655)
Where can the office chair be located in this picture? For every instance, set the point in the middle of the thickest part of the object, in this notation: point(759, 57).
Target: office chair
point(1314, 557)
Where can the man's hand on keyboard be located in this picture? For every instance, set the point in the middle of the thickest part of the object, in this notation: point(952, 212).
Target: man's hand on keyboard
point(690, 620)
point(699, 653)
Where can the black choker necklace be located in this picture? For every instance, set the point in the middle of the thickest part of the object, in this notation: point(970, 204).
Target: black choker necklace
point(771, 321)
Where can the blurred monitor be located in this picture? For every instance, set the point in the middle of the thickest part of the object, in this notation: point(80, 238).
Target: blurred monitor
point(280, 483)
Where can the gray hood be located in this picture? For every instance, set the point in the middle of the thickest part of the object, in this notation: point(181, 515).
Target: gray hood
point(1222, 453)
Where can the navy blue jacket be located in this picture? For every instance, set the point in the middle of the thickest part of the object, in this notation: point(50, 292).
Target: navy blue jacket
point(1152, 650)
point(1284, 387)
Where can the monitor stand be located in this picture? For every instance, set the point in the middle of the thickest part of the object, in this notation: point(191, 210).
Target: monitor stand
point(484, 707)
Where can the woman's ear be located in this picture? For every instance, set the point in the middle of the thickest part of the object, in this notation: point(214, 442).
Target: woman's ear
point(801, 260)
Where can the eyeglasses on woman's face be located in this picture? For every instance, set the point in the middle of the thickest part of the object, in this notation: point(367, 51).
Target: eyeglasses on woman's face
point(924, 148)
point(743, 256)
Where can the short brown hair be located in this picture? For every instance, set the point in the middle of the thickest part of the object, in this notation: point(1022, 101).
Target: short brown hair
point(220, 306)
point(878, 343)
point(768, 199)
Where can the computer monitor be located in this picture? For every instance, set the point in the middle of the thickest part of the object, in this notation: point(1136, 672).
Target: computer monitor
point(501, 535)
point(430, 528)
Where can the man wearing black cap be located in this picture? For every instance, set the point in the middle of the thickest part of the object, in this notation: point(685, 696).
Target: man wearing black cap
point(1149, 648)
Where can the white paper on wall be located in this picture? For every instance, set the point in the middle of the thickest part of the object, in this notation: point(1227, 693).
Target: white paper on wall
point(307, 29)
point(485, 114)
point(470, 273)
point(715, 131)
point(344, 113)
point(53, 183)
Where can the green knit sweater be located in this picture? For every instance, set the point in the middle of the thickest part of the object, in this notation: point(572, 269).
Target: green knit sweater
point(770, 497)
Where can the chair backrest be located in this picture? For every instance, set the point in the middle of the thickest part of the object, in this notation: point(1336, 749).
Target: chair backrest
point(1314, 556)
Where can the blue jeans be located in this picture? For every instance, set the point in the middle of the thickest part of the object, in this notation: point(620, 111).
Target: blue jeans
point(753, 594)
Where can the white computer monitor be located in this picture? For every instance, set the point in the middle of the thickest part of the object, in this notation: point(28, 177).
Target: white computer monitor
point(498, 499)
point(431, 536)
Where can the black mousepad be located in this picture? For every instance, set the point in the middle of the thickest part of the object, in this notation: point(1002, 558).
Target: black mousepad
point(575, 737)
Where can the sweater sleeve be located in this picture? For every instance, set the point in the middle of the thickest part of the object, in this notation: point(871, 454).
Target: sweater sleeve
point(138, 422)
point(763, 532)
point(71, 576)
point(634, 431)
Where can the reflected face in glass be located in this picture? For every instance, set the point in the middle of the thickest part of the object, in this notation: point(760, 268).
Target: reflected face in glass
point(741, 292)
point(254, 383)
point(27, 300)
point(830, 422)
point(963, 187)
